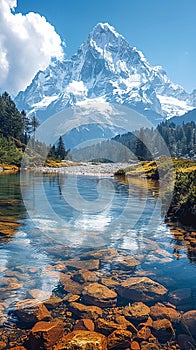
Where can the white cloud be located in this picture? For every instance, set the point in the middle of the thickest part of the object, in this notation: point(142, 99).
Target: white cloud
point(77, 88)
point(27, 44)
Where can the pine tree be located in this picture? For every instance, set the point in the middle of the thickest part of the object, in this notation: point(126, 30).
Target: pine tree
point(60, 149)
point(142, 152)
point(52, 152)
point(34, 124)
point(10, 118)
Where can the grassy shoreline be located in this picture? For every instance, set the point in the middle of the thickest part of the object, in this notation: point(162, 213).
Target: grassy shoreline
point(182, 208)
point(8, 169)
point(12, 169)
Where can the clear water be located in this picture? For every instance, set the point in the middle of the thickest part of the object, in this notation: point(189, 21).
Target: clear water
point(79, 214)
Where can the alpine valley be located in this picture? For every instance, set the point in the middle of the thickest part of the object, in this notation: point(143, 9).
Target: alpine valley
point(105, 69)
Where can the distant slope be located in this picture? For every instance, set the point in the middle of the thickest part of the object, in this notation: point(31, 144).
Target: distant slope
point(186, 118)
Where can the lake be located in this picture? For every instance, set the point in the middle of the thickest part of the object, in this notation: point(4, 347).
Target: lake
point(49, 219)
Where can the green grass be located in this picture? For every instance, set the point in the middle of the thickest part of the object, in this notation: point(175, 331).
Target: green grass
point(183, 172)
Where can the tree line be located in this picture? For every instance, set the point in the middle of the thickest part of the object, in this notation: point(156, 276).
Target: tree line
point(179, 141)
point(148, 143)
point(17, 130)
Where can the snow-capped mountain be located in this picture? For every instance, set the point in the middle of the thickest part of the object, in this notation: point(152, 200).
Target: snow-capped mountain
point(106, 67)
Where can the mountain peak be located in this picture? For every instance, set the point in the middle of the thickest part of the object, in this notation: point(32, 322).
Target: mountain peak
point(105, 28)
point(104, 38)
point(106, 67)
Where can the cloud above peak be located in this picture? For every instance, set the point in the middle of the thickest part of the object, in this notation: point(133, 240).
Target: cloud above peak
point(27, 44)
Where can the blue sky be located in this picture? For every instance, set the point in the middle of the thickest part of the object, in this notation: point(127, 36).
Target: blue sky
point(164, 30)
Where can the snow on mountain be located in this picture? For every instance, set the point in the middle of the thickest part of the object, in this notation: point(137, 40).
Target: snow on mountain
point(173, 106)
point(192, 98)
point(107, 67)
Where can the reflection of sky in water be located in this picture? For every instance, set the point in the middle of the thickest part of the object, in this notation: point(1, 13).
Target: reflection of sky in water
point(22, 252)
point(130, 221)
point(90, 222)
point(88, 211)
point(124, 208)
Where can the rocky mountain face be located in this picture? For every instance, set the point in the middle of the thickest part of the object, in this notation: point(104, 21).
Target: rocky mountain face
point(106, 67)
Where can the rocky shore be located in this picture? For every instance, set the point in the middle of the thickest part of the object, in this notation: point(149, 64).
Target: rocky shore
point(89, 169)
point(124, 308)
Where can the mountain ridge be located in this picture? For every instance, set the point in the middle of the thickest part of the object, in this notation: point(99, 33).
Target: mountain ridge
point(106, 66)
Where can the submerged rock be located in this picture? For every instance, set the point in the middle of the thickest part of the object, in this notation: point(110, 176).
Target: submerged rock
point(85, 324)
point(99, 295)
point(8, 228)
point(3, 345)
point(3, 317)
point(83, 276)
point(186, 342)
point(137, 311)
point(135, 345)
point(18, 348)
point(84, 311)
point(39, 294)
point(46, 334)
point(109, 282)
point(9, 284)
point(144, 333)
point(52, 302)
point(163, 330)
point(141, 288)
point(72, 298)
point(30, 311)
point(126, 263)
point(189, 321)
point(119, 339)
point(150, 346)
point(69, 285)
point(103, 254)
point(126, 324)
point(92, 264)
point(159, 310)
point(107, 327)
point(83, 340)
point(182, 298)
